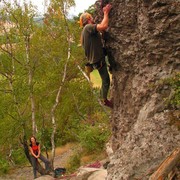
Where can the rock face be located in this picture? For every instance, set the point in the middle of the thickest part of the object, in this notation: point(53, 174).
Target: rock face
point(91, 174)
point(144, 39)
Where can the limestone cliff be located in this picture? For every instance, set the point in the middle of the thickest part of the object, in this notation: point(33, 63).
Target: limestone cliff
point(144, 40)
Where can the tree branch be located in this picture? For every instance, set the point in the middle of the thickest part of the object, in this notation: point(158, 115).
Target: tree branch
point(88, 79)
point(59, 91)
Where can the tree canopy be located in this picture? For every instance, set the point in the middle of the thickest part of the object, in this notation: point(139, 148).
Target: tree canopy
point(42, 90)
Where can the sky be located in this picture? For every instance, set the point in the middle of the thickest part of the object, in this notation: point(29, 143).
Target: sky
point(81, 5)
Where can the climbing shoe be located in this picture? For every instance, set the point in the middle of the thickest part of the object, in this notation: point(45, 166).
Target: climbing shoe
point(108, 103)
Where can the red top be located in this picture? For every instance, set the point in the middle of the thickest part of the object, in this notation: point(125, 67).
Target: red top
point(35, 148)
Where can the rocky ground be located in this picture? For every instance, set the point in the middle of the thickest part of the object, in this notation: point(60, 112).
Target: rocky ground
point(87, 172)
point(25, 173)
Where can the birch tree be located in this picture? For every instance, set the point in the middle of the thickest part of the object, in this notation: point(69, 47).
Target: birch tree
point(58, 10)
point(17, 28)
point(41, 90)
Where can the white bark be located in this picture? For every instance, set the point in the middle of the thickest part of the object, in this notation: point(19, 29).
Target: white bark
point(8, 48)
point(30, 83)
point(53, 119)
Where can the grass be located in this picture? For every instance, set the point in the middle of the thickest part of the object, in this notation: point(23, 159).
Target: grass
point(96, 79)
point(65, 148)
point(83, 159)
point(86, 159)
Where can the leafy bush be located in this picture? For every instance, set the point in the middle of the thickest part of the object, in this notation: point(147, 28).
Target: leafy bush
point(19, 156)
point(174, 83)
point(74, 162)
point(93, 138)
point(4, 166)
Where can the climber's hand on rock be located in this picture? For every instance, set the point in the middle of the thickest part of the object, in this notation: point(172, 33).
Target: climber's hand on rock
point(107, 8)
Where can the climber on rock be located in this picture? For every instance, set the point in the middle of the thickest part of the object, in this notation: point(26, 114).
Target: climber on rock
point(92, 44)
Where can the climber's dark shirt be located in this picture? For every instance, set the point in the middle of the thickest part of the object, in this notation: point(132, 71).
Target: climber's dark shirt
point(92, 44)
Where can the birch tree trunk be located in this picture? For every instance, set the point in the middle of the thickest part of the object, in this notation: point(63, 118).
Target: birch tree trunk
point(20, 29)
point(53, 119)
point(30, 83)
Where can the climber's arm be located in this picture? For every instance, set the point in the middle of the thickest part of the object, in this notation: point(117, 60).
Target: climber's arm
point(104, 23)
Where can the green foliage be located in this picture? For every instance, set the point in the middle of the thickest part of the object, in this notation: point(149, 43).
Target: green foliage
point(91, 9)
point(44, 136)
point(18, 156)
point(41, 51)
point(4, 166)
point(76, 107)
point(3, 39)
point(93, 138)
point(174, 83)
point(74, 163)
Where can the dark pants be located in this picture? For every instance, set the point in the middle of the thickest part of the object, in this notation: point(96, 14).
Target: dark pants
point(103, 72)
point(34, 164)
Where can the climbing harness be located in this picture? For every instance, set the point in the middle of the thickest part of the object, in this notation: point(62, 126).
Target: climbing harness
point(90, 67)
point(98, 65)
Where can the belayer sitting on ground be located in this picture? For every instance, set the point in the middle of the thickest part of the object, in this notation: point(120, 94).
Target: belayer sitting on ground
point(92, 44)
point(35, 151)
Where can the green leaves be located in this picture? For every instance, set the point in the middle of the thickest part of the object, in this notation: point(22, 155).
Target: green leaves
point(174, 83)
point(93, 138)
point(32, 60)
point(4, 167)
